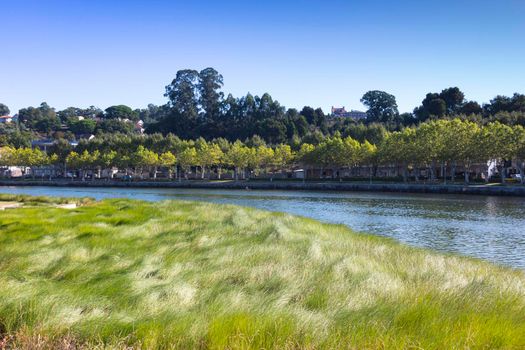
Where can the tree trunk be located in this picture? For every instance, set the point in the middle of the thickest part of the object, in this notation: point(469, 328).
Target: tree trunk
point(433, 171)
point(405, 173)
point(467, 176)
point(503, 172)
point(155, 173)
point(202, 172)
point(236, 174)
point(453, 174)
point(521, 170)
point(444, 172)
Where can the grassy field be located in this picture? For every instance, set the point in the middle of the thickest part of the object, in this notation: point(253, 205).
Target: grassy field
point(120, 273)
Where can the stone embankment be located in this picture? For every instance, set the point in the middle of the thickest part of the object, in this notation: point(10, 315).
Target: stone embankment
point(477, 189)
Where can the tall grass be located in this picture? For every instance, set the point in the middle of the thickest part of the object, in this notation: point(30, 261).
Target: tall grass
point(121, 273)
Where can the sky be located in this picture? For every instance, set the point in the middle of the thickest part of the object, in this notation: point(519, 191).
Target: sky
point(310, 52)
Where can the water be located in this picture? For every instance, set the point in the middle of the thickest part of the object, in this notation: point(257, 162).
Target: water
point(491, 228)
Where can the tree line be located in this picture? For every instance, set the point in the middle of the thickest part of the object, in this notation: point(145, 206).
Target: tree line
point(444, 145)
point(197, 107)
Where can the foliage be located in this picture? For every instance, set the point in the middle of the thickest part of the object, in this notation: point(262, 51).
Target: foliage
point(120, 112)
point(4, 110)
point(382, 106)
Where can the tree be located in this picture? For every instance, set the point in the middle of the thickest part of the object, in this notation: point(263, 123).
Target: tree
point(42, 118)
point(454, 99)
point(497, 144)
point(7, 156)
point(113, 126)
point(147, 158)
point(210, 82)
point(168, 160)
point(238, 156)
point(449, 101)
point(61, 148)
point(29, 157)
point(120, 112)
point(264, 157)
point(4, 110)
point(73, 112)
point(437, 107)
point(83, 161)
point(207, 155)
point(182, 94)
point(84, 126)
point(283, 156)
point(186, 159)
point(108, 160)
point(519, 150)
point(470, 108)
point(368, 156)
point(382, 106)
point(307, 157)
point(397, 149)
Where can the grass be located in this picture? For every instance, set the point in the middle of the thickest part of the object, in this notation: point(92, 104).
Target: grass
point(173, 274)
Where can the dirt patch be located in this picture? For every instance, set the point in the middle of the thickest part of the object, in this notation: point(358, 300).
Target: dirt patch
point(9, 205)
point(67, 206)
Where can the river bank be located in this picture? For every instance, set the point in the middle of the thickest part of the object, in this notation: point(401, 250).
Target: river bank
point(475, 189)
point(179, 274)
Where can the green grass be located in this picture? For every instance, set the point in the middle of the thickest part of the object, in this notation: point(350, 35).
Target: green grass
point(173, 274)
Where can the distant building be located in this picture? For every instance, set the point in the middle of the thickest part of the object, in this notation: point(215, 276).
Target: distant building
point(6, 119)
point(139, 127)
point(43, 145)
point(353, 114)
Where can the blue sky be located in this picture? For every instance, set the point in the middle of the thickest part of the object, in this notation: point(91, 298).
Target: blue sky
point(317, 53)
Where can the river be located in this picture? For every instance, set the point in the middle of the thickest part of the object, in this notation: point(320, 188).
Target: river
point(490, 228)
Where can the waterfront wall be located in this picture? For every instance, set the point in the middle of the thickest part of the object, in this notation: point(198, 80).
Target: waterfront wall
point(496, 190)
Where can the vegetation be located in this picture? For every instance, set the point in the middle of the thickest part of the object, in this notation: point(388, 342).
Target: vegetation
point(120, 273)
point(197, 107)
point(438, 144)
point(33, 200)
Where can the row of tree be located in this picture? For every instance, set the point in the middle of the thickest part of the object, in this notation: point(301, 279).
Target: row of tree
point(433, 145)
point(197, 107)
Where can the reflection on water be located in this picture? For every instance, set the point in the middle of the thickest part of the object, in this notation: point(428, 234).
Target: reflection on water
point(491, 228)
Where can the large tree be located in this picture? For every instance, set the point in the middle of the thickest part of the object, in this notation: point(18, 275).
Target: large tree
point(449, 101)
point(42, 118)
point(182, 116)
point(120, 112)
point(4, 110)
point(382, 106)
point(182, 94)
point(210, 83)
point(454, 99)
